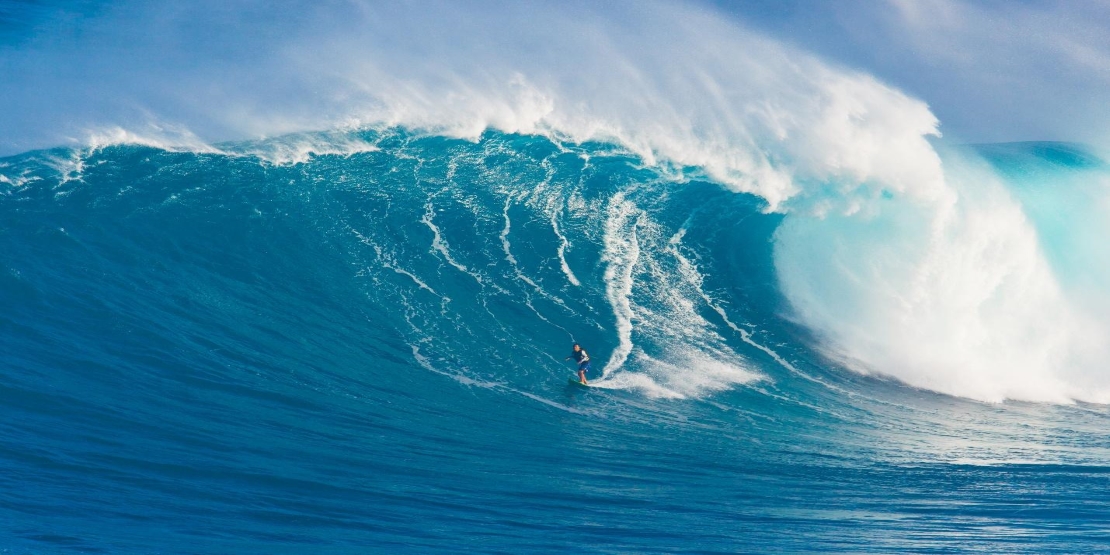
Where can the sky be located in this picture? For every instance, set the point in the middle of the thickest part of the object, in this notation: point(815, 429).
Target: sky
point(991, 71)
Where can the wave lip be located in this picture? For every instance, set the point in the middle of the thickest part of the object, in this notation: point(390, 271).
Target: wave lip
point(775, 122)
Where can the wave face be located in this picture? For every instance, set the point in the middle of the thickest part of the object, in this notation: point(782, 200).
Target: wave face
point(354, 341)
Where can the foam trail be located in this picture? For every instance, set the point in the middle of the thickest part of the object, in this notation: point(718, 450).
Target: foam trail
point(563, 243)
point(622, 252)
point(504, 236)
point(390, 263)
point(689, 271)
point(69, 166)
point(638, 382)
point(440, 245)
point(426, 363)
point(507, 248)
point(19, 180)
point(692, 374)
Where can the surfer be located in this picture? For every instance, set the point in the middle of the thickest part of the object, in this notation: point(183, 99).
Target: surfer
point(583, 360)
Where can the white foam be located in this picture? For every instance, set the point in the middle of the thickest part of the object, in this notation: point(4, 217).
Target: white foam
point(953, 294)
point(70, 167)
point(285, 150)
point(154, 134)
point(688, 374)
point(300, 148)
point(18, 181)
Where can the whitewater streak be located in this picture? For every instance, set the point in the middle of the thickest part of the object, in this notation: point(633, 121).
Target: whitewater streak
point(904, 260)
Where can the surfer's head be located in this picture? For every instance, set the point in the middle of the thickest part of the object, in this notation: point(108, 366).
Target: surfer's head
point(577, 348)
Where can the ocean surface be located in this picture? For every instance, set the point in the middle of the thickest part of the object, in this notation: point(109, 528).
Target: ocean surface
point(354, 342)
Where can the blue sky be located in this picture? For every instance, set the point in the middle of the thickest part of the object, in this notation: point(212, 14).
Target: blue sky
point(991, 71)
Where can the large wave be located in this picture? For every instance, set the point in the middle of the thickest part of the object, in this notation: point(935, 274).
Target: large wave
point(906, 257)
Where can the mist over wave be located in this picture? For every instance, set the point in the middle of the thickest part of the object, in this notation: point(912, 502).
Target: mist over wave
point(755, 114)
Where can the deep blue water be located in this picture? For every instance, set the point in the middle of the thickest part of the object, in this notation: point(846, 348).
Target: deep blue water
point(363, 352)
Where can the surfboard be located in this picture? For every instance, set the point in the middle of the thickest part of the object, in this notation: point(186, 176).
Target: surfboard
point(574, 381)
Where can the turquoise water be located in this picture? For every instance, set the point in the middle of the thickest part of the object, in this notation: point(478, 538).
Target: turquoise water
point(224, 352)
